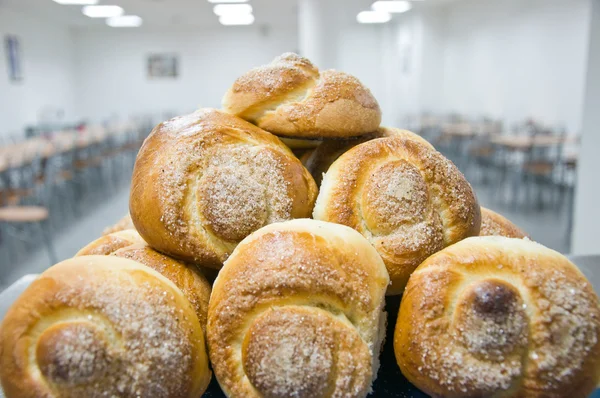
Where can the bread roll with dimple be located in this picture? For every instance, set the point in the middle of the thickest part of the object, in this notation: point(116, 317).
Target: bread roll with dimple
point(112, 242)
point(407, 199)
point(297, 310)
point(203, 182)
point(319, 160)
point(494, 224)
point(499, 317)
point(291, 98)
point(97, 326)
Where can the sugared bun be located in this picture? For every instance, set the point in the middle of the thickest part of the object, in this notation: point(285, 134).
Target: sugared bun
point(297, 311)
point(494, 224)
point(203, 182)
point(319, 160)
point(406, 198)
point(123, 224)
point(187, 278)
point(112, 242)
point(98, 326)
point(290, 97)
point(498, 317)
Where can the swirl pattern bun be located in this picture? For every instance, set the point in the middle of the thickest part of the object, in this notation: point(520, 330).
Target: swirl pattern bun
point(187, 278)
point(297, 310)
point(406, 198)
point(102, 326)
point(291, 98)
point(121, 225)
point(112, 242)
point(203, 182)
point(499, 317)
point(494, 224)
point(319, 160)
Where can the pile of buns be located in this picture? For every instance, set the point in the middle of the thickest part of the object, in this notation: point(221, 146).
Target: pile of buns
point(262, 242)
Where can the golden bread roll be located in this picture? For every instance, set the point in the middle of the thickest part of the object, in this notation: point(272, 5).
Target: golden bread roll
point(98, 326)
point(494, 224)
point(407, 199)
point(186, 277)
point(112, 242)
point(304, 156)
point(295, 144)
point(290, 97)
point(297, 310)
point(123, 224)
point(319, 161)
point(203, 182)
point(499, 317)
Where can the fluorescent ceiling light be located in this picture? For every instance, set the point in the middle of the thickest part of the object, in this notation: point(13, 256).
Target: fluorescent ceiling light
point(237, 19)
point(232, 9)
point(102, 11)
point(77, 2)
point(392, 6)
point(124, 21)
point(227, 1)
point(373, 17)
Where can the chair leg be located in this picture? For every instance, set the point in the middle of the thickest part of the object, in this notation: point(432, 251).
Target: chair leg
point(43, 228)
point(12, 255)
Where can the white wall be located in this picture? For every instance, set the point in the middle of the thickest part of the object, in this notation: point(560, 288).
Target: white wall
point(587, 211)
point(411, 65)
point(516, 59)
point(111, 67)
point(46, 52)
point(359, 53)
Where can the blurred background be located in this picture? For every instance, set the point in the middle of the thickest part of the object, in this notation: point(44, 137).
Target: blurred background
point(509, 90)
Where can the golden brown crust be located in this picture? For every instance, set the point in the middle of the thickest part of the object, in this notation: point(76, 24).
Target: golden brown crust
point(494, 224)
point(97, 326)
point(297, 144)
point(121, 225)
point(499, 317)
point(186, 277)
point(325, 154)
point(112, 242)
point(290, 98)
point(406, 198)
point(204, 181)
point(297, 308)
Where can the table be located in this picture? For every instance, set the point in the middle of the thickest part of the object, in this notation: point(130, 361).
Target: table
point(22, 153)
point(524, 142)
point(390, 381)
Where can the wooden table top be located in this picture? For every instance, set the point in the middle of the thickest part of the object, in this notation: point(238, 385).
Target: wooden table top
point(23, 153)
point(523, 142)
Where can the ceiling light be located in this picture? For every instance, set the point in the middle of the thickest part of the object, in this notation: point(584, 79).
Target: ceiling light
point(373, 17)
point(391, 6)
point(227, 1)
point(77, 2)
point(124, 21)
point(102, 11)
point(237, 19)
point(232, 9)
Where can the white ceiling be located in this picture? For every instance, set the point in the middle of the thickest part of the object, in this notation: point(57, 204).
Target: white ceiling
point(184, 13)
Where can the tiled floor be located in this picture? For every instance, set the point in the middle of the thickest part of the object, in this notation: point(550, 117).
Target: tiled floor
point(548, 227)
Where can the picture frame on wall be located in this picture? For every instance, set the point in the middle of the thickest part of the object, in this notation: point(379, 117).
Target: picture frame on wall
point(12, 47)
point(163, 66)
